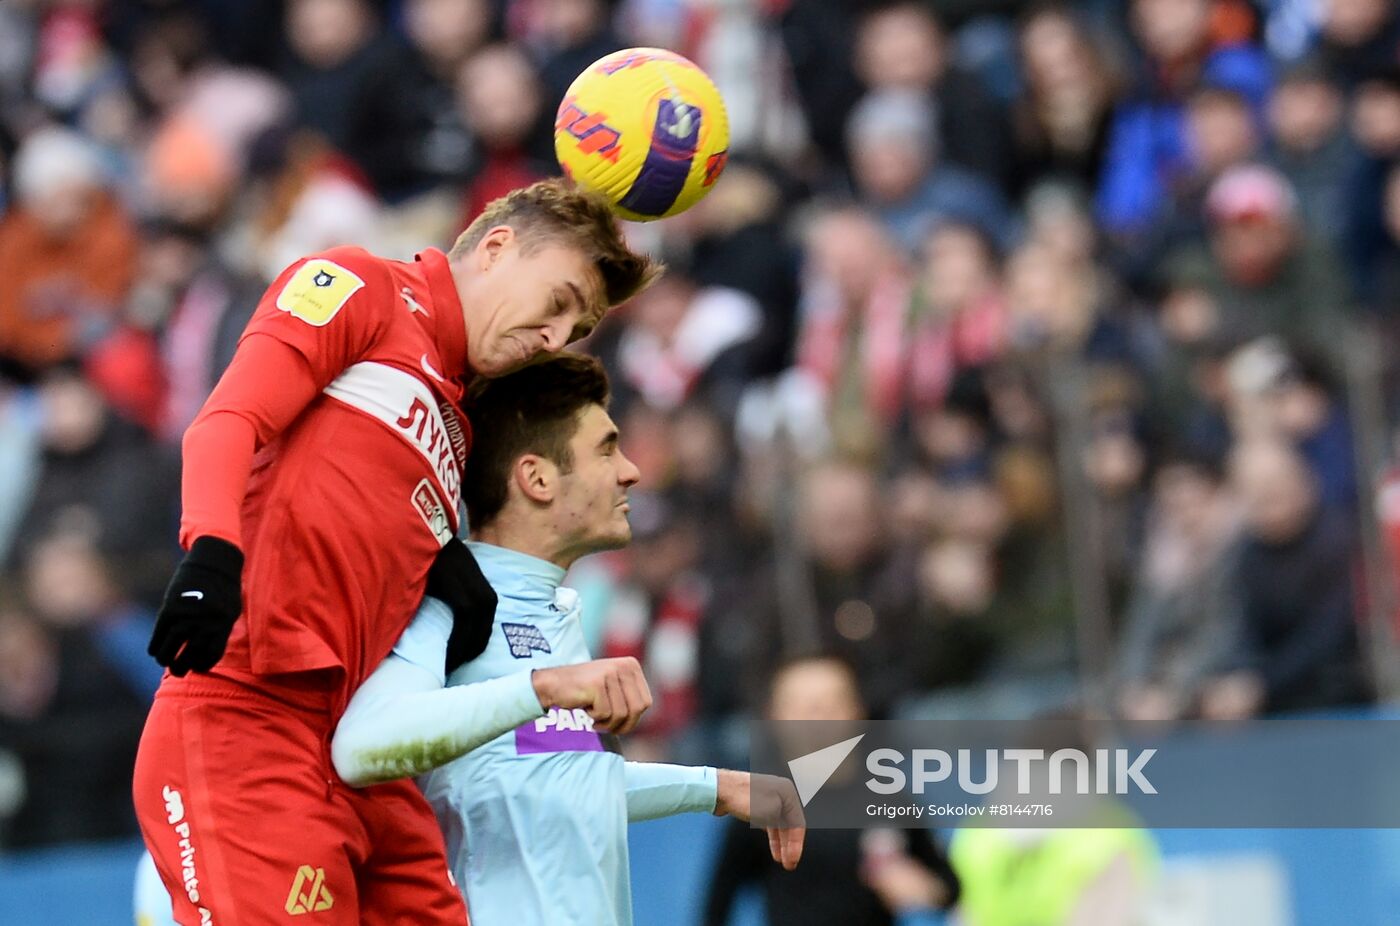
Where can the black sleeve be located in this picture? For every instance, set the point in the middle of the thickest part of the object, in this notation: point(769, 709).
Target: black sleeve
point(741, 855)
point(926, 848)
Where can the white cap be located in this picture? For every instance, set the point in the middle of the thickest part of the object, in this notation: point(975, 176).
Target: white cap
point(53, 159)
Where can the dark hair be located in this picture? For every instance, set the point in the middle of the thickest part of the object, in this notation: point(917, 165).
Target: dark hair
point(533, 410)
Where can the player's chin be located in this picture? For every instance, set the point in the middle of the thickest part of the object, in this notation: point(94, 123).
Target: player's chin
point(619, 535)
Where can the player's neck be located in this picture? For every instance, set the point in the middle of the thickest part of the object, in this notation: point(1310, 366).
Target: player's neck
point(521, 538)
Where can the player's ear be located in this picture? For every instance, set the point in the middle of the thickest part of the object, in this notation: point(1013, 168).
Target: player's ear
point(493, 244)
point(536, 478)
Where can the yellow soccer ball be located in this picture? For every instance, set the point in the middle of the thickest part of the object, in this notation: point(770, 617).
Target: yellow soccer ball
point(647, 129)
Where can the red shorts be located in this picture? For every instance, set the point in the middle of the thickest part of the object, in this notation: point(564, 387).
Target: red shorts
point(248, 823)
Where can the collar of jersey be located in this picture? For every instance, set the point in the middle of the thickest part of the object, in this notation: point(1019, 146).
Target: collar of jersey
point(517, 575)
point(449, 326)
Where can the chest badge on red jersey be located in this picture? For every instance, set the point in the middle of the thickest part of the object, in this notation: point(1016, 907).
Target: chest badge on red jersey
point(427, 504)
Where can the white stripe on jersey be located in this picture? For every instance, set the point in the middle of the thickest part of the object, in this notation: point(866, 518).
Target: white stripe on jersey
point(404, 403)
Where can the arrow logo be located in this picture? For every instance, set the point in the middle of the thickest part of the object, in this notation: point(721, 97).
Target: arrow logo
point(811, 771)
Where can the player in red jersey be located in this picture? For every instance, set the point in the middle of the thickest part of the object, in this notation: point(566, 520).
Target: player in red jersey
point(321, 490)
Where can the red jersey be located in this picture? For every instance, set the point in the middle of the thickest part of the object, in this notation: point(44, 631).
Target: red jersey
point(347, 504)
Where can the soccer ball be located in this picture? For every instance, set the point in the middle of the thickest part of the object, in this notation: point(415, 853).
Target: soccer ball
point(647, 129)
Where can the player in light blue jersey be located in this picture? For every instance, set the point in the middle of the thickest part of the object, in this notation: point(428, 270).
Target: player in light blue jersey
point(516, 749)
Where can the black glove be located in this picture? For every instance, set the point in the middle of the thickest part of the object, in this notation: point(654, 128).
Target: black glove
point(201, 603)
point(456, 580)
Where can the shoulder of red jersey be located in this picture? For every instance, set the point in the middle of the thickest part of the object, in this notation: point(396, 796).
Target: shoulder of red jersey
point(316, 289)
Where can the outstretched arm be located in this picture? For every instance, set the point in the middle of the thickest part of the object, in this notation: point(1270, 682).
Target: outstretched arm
point(403, 721)
point(655, 789)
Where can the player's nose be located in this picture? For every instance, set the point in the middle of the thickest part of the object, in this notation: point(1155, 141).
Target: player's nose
point(627, 472)
point(555, 337)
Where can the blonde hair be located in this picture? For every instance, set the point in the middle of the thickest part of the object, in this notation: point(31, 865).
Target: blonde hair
point(555, 212)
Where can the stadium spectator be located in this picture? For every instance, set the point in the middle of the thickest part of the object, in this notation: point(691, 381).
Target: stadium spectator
point(74, 588)
point(839, 866)
point(818, 38)
point(1062, 307)
point(93, 462)
point(197, 305)
point(1308, 411)
point(1184, 616)
point(896, 165)
point(964, 615)
point(850, 339)
point(655, 616)
point(736, 239)
point(838, 589)
point(1358, 38)
point(1148, 149)
point(502, 104)
point(1311, 148)
point(28, 681)
point(67, 253)
point(1299, 645)
point(448, 32)
point(359, 87)
point(1061, 119)
point(78, 687)
point(437, 151)
point(568, 36)
point(903, 46)
point(958, 319)
point(1262, 270)
point(683, 342)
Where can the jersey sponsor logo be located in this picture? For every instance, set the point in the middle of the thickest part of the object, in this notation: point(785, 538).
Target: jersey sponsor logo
point(561, 730)
point(189, 872)
point(309, 893)
point(524, 639)
point(317, 291)
point(427, 504)
point(404, 403)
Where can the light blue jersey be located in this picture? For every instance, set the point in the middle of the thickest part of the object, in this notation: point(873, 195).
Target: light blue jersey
point(536, 819)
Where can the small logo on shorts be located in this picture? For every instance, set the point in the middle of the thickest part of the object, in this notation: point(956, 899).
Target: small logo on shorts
point(309, 892)
point(524, 639)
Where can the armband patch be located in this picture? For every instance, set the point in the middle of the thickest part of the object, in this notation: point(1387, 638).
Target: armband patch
point(317, 291)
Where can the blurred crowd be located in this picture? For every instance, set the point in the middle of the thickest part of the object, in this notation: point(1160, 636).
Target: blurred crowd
point(1023, 356)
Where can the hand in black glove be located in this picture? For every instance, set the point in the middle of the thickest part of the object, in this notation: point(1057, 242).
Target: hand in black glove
point(201, 603)
point(456, 580)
